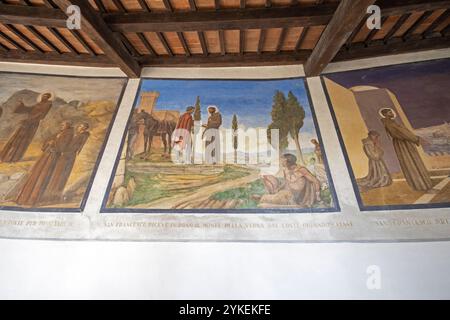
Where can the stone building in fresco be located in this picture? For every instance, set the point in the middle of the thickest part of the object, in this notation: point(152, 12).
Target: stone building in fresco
point(148, 101)
point(357, 111)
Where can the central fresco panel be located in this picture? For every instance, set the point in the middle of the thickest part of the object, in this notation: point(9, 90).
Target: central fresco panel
point(222, 146)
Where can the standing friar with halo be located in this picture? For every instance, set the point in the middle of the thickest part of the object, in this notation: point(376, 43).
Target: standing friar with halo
point(17, 145)
point(211, 135)
point(405, 145)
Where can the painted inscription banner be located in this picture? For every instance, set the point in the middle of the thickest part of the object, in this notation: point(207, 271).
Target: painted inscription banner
point(52, 133)
point(394, 126)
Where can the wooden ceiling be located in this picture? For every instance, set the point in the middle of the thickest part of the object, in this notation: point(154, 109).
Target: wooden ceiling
point(132, 34)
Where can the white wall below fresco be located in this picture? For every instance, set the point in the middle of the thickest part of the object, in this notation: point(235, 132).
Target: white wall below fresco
point(101, 269)
point(130, 270)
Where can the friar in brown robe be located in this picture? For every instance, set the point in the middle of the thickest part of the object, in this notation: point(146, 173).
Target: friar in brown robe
point(405, 145)
point(214, 122)
point(65, 163)
point(378, 175)
point(37, 181)
point(21, 139)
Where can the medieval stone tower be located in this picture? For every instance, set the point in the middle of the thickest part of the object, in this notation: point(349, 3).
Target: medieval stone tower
point(148, 100)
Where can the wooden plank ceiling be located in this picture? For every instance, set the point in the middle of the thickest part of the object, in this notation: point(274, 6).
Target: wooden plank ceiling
point(132, 34)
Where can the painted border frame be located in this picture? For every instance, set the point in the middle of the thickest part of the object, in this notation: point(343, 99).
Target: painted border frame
point(335, 209)
point(361, 205)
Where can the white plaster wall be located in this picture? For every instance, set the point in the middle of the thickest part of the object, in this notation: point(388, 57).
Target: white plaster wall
point(113, 270)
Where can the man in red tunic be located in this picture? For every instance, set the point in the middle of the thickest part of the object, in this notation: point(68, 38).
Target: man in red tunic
point(182, 133)
point(186, 121)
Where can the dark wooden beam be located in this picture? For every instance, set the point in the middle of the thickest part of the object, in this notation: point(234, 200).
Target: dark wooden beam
point(126, 42)
point(176, 21)
point(446, 31)
point(94, 26)
point(119, 5)
point(252, 18)
point(360, 52)
point(101, 7)
point(222, 42)
point(70, 59)
point(241, 42)
point(355, 32)
point(27, 15)
point(163, 41)
point(281, 40)
point(262, 38)
point(346, 18)
point(215, 60)
point(3, 48)
point(184, 43)
point(201, 37)
point(82, 41)
point(146, 43)
point(44, 40)
point(400, 7)
point(49, 3)
point(396, 27)
point(192, 5)
point(22, 37)
point(374, 32)
point(144, 5)
point(57, 34)
point(168, 5)
point(441, 19)
point(11, 40)
point(221, 19)
point(301, 38)
point(408, 34)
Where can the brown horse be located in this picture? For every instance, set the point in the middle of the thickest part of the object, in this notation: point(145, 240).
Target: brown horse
point(154, 127)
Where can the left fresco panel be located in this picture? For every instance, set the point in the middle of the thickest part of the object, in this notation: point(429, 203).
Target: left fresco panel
point(53, 130)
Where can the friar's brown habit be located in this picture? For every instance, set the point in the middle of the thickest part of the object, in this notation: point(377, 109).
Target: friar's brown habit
point(19, 142)
point(39, 177)
point(378, 175)
point(214, 122)
point(405, 146)
point(63, 168)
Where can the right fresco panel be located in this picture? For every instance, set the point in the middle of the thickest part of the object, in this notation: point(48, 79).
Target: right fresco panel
point(394, 127)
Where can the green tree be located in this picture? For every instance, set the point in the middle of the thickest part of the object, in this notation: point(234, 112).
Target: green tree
point(197, 112)
point(278, 120)
point(234, 127)
point(288, 117)
point(295, 115)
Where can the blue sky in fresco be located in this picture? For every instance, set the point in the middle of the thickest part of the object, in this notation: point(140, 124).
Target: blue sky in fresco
point(250, 100)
